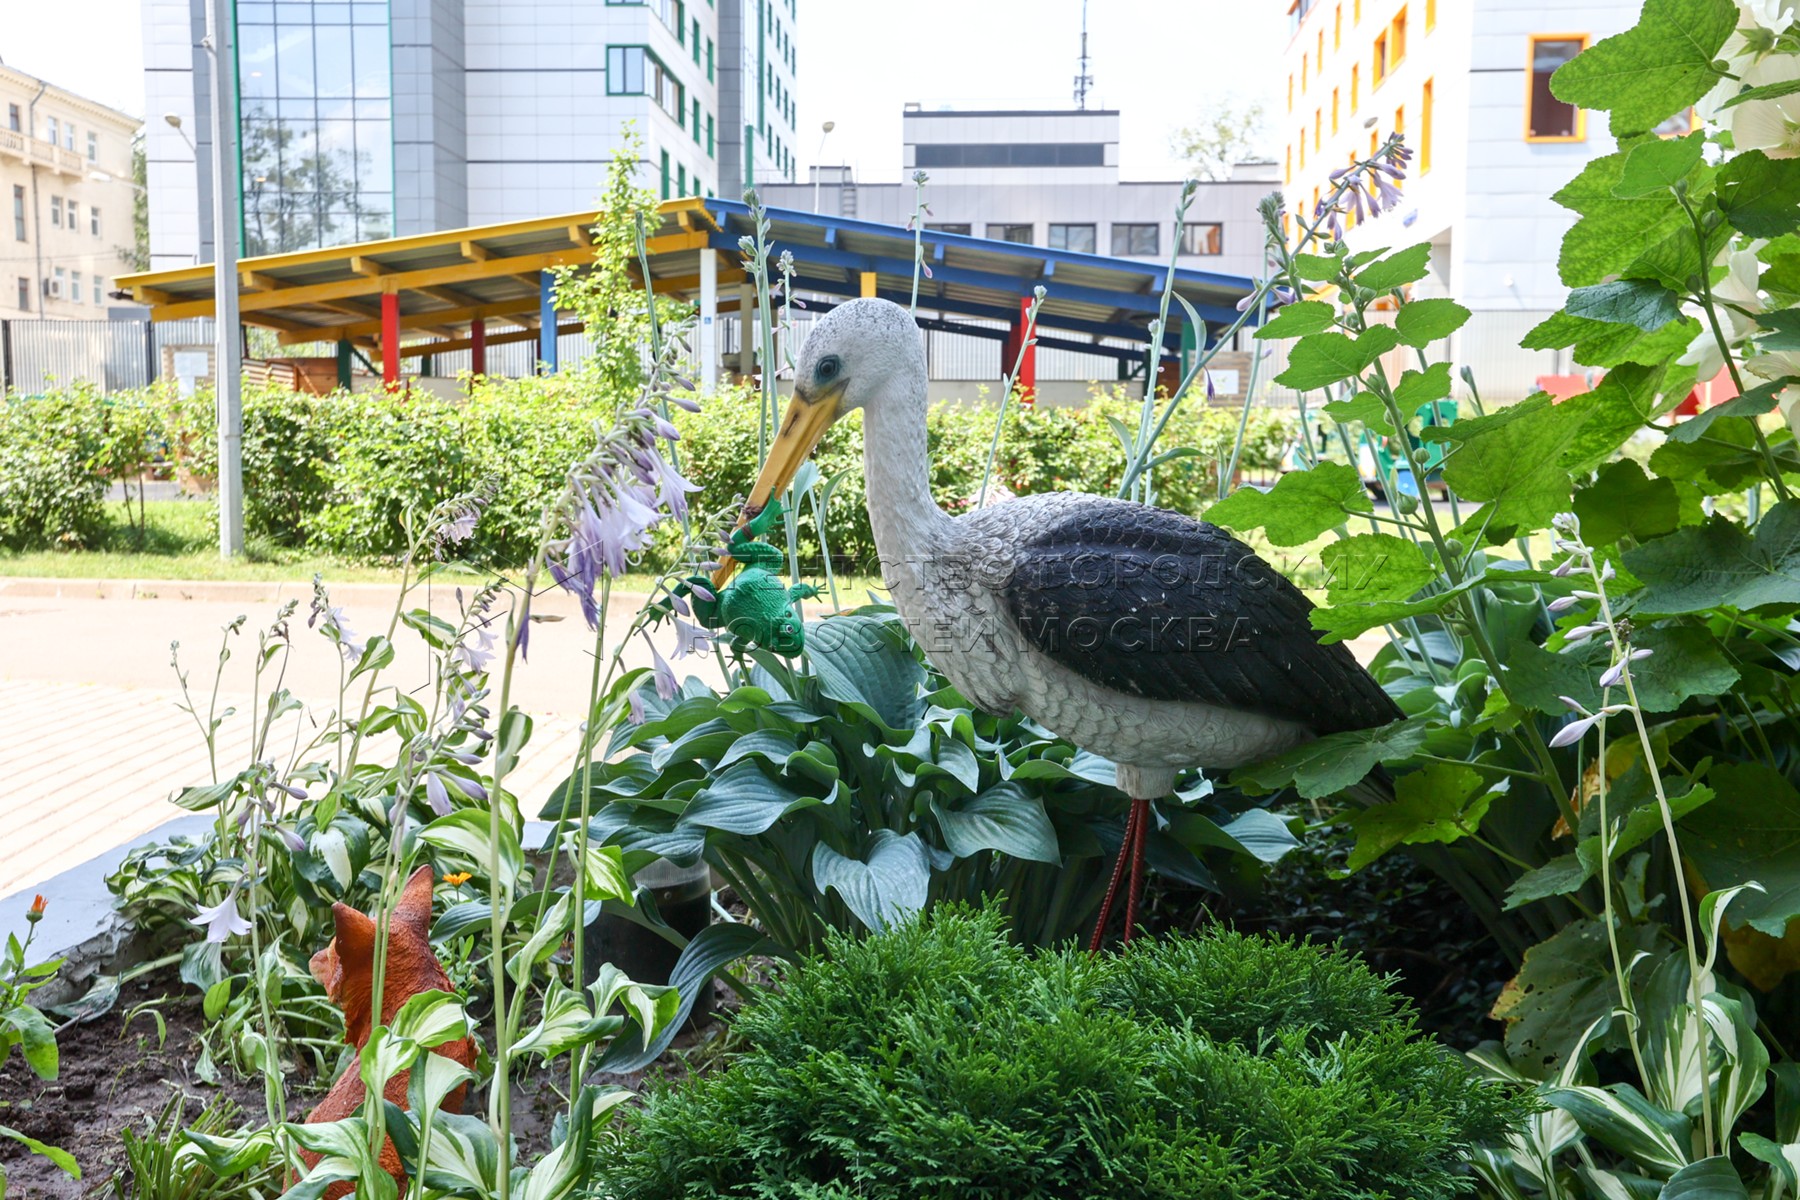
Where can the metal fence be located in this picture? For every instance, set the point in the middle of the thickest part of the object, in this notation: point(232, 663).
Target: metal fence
point(112, 355)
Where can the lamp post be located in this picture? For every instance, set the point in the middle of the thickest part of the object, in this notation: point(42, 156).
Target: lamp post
point(824, 132)
point(228, 367)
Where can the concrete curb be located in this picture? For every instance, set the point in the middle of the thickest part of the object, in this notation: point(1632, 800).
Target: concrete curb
point(224, 591)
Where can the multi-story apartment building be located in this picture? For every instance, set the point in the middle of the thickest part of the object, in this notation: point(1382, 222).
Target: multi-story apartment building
point(65, 181)
point(373, 118)
point(1049, 178)
point(1468, 84)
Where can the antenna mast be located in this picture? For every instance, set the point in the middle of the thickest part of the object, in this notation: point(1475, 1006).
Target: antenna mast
point(1083, 81)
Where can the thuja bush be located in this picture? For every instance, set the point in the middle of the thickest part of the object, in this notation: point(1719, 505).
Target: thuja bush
point(938, 1059)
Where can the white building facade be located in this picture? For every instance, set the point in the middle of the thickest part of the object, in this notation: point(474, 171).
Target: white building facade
point(1467, 83)
point(1051, 179)
point(376, 118)
point(66, 184)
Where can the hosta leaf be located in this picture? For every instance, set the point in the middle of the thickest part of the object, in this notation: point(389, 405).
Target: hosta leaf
point(1620, 1118)
point(1301, 506)
point(65, 1162)
point(465, 835)
point(714, 947)
point(743, 800)
point(865, 661)
point(1653, 70)
point(886, 886)
point(1006, 818)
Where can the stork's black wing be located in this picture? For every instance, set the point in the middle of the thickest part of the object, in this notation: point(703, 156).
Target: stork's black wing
point(1149, 602)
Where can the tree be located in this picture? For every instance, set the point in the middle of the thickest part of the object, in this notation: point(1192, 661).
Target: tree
point(1233, 130)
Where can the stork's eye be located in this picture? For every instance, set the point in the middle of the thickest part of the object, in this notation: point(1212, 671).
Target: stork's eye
point(828, 368)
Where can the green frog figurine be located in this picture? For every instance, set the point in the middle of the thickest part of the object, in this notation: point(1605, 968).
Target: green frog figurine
point(755, 608)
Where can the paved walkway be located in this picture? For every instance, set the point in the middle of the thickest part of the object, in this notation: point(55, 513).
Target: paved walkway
point(93, 741)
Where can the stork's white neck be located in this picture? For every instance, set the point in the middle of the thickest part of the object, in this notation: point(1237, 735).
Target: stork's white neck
point(907, 522)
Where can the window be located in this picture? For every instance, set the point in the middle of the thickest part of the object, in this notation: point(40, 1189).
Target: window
point(1355, 88)
point(56, 211)
point(1337, 28)
point(24, 294)
point(1305, 72)
point(1426, 104)
point(1011, 233)
point(1287, 175)
point(1379, 70)
point(1135, 241)
point(696, 121)
point(709, 60)
point(99, 291)
point(18, 212)
point(1303, 147)
point(694, 42)
point(69, 136)
point(94, 219)
point(1207, 239)
point(60, 284)
point(953, 227)
point(52, 130)
point(624, 70)
point(93, 146)
point(1358, 16)
point(1430, 15)
point(1548, 119)
point(1334, 110)
point(1397, 39)
point(710, 151)
point(75, 287)
point(1290, 92)
point(681, 179)
point(1319, 52)
point(1010, 154)
point(1079, 238)
point(665, 174)
point(1318, 129)
point(12, 117)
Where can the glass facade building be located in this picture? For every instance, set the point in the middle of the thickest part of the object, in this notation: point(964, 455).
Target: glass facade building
point(316, 87)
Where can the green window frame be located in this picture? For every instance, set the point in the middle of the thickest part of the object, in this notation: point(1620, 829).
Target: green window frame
point(696, 120)
point(665, 175)
point(711, 149)
point(709, 60)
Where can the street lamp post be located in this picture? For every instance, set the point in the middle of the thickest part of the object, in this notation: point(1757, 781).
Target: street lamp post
point(824, 132)
point(228, 368)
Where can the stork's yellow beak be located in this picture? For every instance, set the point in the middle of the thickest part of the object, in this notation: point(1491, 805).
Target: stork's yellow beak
point(809, 414)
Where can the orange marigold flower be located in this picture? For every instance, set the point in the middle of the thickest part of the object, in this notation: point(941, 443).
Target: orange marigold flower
point(35, 913)
point(457, 878)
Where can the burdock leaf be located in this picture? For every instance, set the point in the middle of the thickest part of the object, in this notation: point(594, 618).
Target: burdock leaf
point(1301, 506)
point(1423, 322)
point(1336, 761)
point(1758, 194)
point(1653, 70)
point(1639, 302)
point(1374, 566)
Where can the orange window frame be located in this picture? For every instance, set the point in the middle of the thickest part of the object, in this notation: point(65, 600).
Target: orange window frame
point(1531, 45)
point(1355, 88)
point(1379, 72)
point(1337, 28)
point(1334, 111)
point(1397, 39)
point(1430, 15)
point(1427, 106)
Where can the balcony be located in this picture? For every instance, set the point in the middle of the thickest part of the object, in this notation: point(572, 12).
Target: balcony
point(24, 148)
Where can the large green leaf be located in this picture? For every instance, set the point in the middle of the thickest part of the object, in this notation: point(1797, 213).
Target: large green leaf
point(1639, 302)
point(1006, 818)
point(1624, 502)
point(1374, 566)
point(712, 948)
point(1440, 802)
point(1298, 320)
point(1653, 70)
point(1750, 833)
point(1301, 506)
point(1423, 322)
point(1564, 985)
point(65, 1162)
point(743, 800)
point(1397, 269)
point(1709, 1179)
point(1758, 194)
point(1600, 344)
point(1685, 661)
point(1334, 762)
point(1513, 457)
point(1620, 1118)
point(1719, 565)
point(888, 885)
point(1654, 166)
point(1322, 359)
point(865, 661)
point(1611, 232)
point(466, 835)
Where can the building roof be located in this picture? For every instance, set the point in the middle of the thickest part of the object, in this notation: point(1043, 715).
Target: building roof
point(446, 280)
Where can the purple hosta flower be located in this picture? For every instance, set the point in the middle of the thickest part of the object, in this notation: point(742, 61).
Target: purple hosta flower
point(1582, 633)
point(666, 683)
point(476, 650)
point(700, 592)
point(1564, 569)
point(222, 920)
point(1573, 732)
point(436, 794)
point(1388, 193)
point(1355, 194)
point(293, 841)
point(337, 628)
point(1565, 603)
point(634, 700)
point(523, 638)
point(687, 402)
point(691, 638)
point(1616, 673)
point(1282, 295)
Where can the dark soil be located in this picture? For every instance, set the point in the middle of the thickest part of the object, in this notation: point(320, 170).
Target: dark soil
point(116, 1073)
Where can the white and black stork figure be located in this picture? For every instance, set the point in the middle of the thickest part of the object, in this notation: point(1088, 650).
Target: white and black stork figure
point(1144, 636)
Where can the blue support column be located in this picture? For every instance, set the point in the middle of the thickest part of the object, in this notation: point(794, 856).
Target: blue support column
point(547, 322)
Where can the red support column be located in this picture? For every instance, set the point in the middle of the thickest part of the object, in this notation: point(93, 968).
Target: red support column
point(390, 338)
point(478, 346)
point(1027, 381)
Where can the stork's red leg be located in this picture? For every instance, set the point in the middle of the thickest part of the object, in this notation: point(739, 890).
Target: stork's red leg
point(1118, 876)
point(1140, 818)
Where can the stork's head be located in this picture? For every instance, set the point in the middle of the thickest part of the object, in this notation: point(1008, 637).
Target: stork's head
point(863, 354)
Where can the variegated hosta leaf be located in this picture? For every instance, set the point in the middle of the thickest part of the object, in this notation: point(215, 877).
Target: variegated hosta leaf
point(562, 1171)
point(464, 1156)
point(652, 1005)
point(1783, 1160)
point(542, 943)
point(1495, 1169)
point(566, 1023)
point(1608, 1185)
point(1709, 1179)
point(1742, 1061)
point(426, 1020)
point(433, 1078)
point(1620, 1117)
point(233, 1155)
point(343, 1147)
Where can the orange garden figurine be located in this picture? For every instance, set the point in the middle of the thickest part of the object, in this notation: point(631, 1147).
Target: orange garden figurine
point(345, 968)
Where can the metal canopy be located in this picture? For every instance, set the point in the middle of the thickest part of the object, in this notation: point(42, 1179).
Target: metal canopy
point(443, 284)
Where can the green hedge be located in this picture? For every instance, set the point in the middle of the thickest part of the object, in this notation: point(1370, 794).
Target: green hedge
point(336, 474)
point(941, 1060)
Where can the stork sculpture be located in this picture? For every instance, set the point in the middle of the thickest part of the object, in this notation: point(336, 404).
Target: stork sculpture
point(1144, 636)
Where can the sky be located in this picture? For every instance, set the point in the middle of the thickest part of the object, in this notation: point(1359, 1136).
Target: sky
point(1157, 61)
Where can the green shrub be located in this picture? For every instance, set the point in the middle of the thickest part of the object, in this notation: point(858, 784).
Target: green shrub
point(53, 461)
point(940, 1060)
